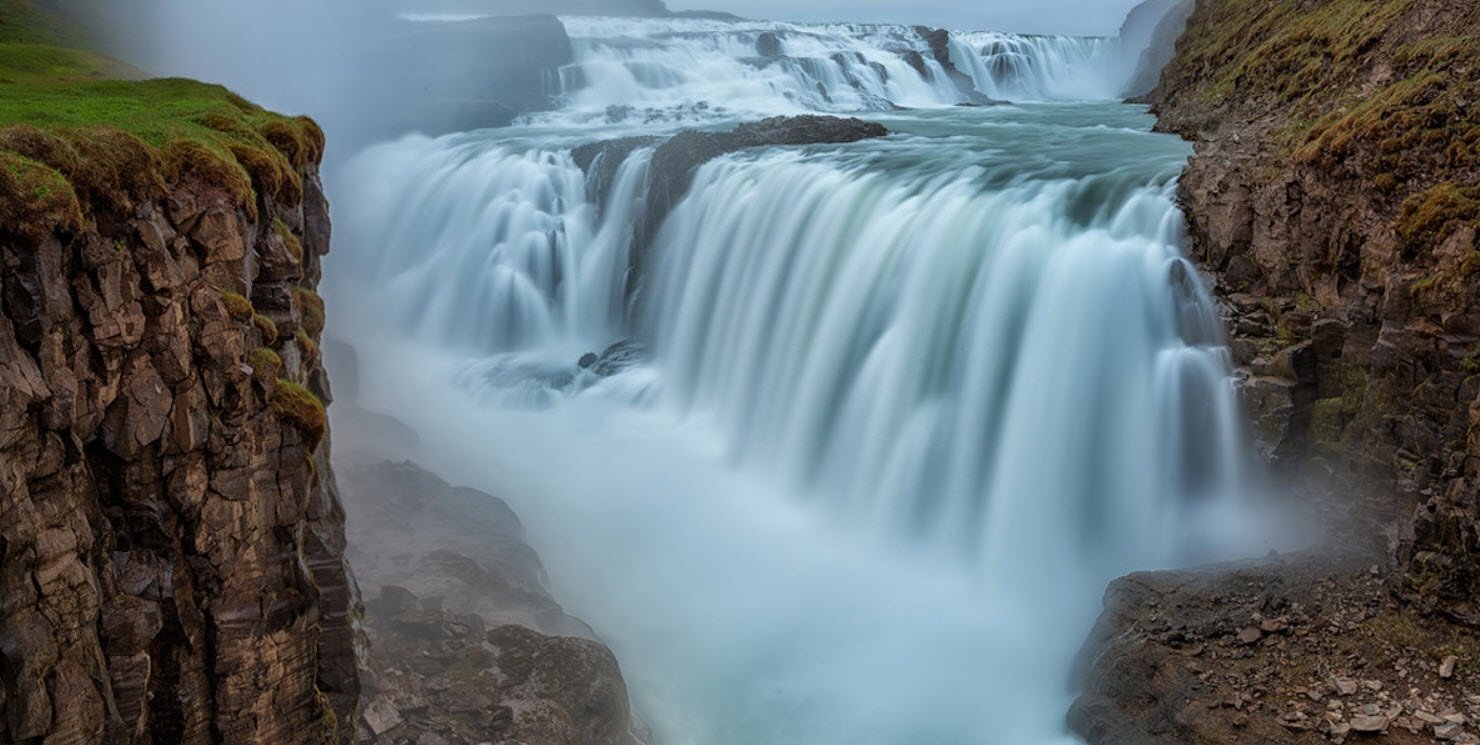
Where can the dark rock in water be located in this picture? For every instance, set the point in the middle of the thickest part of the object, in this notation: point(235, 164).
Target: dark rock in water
point(676, 160)
point(915, 60)
point(587, 360)
point(602, 160)
point(768, 45)
point(619, 357)
point(939, 40)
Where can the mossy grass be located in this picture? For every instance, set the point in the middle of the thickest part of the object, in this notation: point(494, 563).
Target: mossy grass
point(309, 347)
point(116, 141)
point(238, 306)
point(290, 241)
point(1354, 92)
point(266, 327)
point(312, 308)
point(301, 408)
point(266, 365)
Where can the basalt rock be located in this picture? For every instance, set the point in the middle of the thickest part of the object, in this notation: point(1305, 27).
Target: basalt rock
point(675, 162)
point(171, 539)
point(939, 41)
point(1334, 208)
point(478, 651)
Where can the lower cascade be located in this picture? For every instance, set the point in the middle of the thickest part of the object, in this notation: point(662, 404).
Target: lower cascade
point(876, 422)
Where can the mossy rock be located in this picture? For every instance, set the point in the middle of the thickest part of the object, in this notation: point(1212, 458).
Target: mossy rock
point(266, 328)
point(309, 347)
point(266, 365)
point(312, 308)
point(301, 408)
point(65, 117)
point(238, 306)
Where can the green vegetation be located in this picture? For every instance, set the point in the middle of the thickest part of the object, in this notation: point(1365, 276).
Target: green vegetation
point(309, 347)
point(238, 306)
point(290, 241)
point(312, 307)
point(1429, 216)
point(266, 365)
point(266, 327)
point(67, 126)
point(1353, 91)
point(298, 406)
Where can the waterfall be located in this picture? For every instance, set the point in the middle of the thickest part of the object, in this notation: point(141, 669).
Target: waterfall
point(980, 368)
point(1038, 68)
point(888, 415)
point(662, 69)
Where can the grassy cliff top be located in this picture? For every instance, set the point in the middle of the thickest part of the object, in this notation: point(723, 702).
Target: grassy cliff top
point(1381, 90)
point(78, 128)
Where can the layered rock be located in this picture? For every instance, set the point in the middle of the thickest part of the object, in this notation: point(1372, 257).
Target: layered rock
point(1331, 201)
point(467, 644)
point(1331, 197)
point(1297, 649)
point(171, 541)
point(677, 160)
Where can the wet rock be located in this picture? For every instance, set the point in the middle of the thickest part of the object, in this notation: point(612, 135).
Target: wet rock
point(768, 45)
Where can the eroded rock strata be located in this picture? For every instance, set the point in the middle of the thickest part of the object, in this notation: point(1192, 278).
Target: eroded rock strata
point(467, 644)
point(1332, 202)
point(171, 541)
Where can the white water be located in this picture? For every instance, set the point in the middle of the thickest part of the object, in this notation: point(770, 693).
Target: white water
point(661, 69)
point(912, 403)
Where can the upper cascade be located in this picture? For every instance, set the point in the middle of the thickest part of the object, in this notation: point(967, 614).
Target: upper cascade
point(683, 69)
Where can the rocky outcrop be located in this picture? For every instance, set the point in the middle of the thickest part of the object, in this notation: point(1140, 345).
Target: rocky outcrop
point(939, 41)
point(1331, 202)
point(1332, 199)
point(171, 539)
point(478, 651)
point(1299, 649)
point(675, 162)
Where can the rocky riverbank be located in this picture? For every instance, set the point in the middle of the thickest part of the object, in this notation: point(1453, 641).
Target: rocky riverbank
point(1330, 201)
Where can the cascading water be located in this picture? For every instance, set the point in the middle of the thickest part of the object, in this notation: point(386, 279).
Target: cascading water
point(664, 69)
point(911, 402)
point(1038, 68)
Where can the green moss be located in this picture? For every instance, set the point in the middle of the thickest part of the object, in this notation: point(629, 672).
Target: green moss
point(266, 327)
point(309, 347)
point(1429, 217)
point(294, 246)
point(238, 306)
point(301, 408)
point(312, 307)
point(35, 198)
point(266, 365)
point(116, 141)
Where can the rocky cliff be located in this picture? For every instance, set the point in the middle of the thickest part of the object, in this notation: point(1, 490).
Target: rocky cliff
point(171, 540)
point(1332, 197)
point(1332, 202)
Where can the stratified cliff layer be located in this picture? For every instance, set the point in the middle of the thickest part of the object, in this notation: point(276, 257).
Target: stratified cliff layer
point(1332, 200)
point(1333, 197)
point(171, 543)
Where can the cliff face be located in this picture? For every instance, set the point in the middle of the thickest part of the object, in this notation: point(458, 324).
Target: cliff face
point(1332, 197)
point(1332, 201)
point(171, 540)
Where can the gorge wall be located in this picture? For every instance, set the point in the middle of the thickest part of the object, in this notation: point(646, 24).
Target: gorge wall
point(1331, 200)
point(1332, 197)
point(171, 539)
